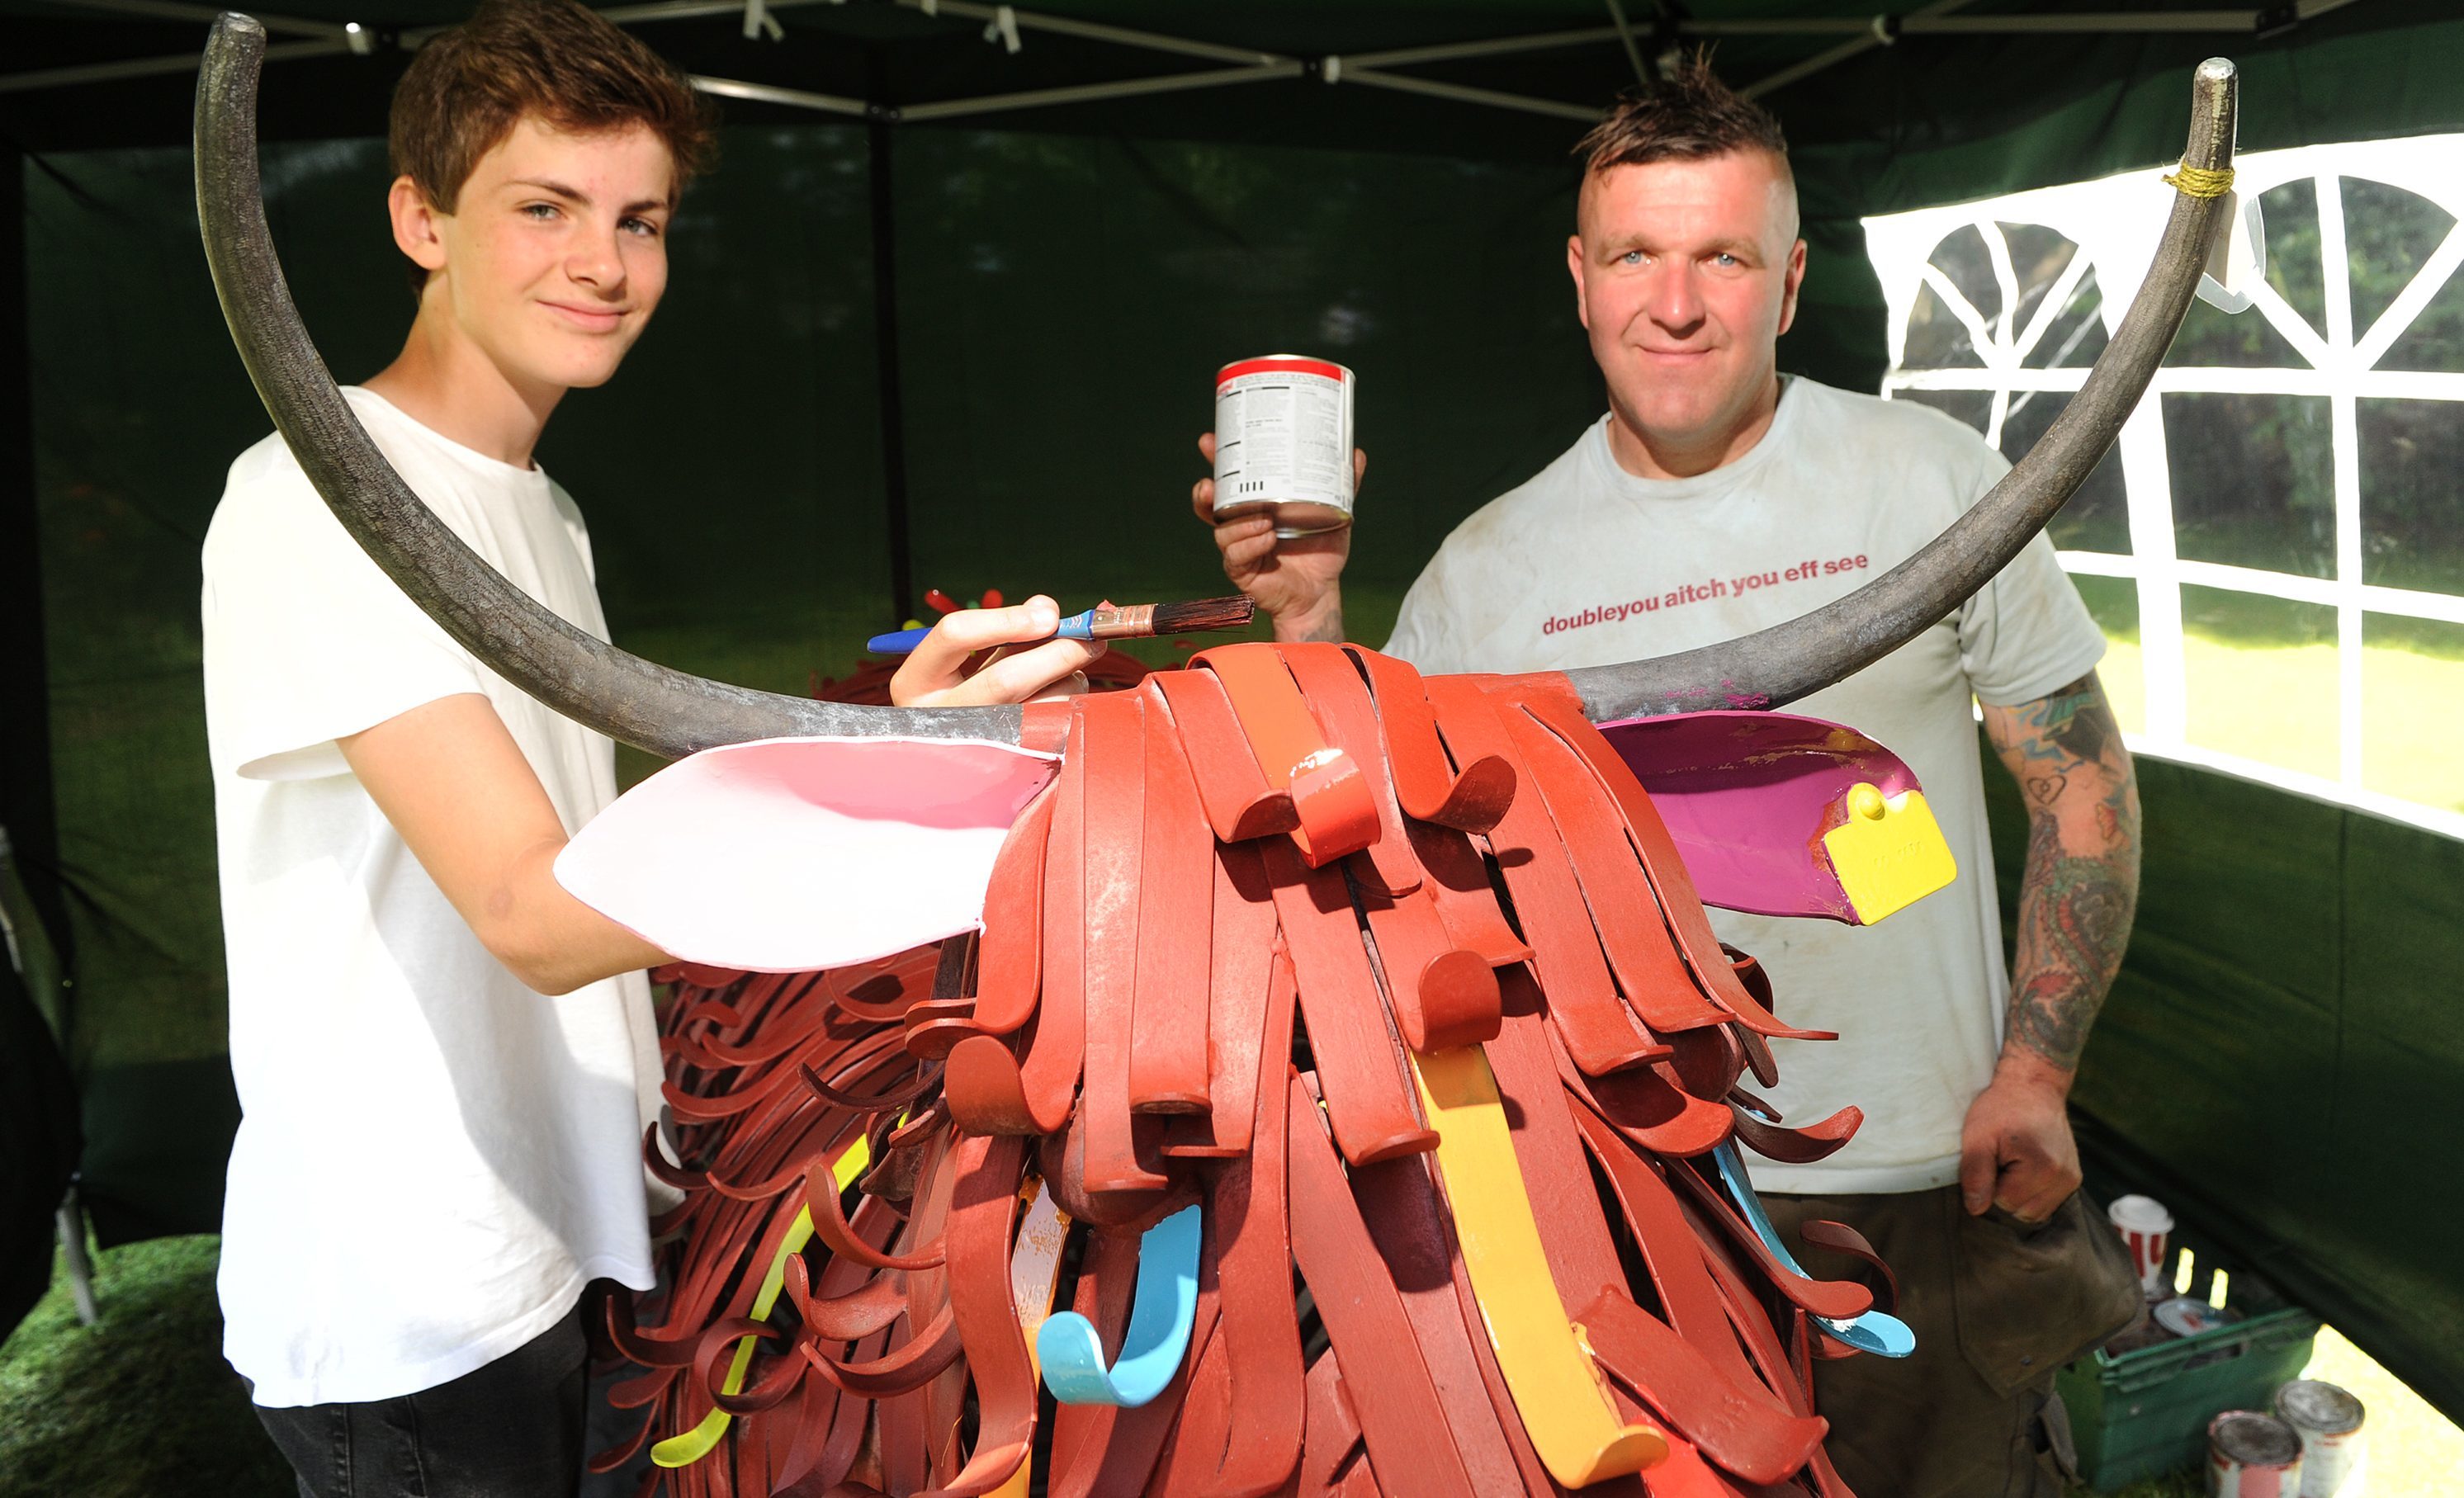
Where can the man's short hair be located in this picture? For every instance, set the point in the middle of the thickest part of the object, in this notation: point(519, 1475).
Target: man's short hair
point(1688, 115)
point(554, 58)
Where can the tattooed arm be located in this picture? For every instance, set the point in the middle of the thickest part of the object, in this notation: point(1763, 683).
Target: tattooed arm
point(2083, 879)
point(2074, 907)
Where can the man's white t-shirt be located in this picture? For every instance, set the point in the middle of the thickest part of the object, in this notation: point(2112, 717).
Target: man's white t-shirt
point(1587, 564)
point(432, 1160)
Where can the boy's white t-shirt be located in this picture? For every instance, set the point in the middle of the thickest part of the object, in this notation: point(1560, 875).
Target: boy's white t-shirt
point(1587, 564)
point(432, 1160)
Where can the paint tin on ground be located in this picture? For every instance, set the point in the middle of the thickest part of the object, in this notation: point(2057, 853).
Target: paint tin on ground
point(1283, 442)
point(2329, 1422)
point(2252, 1455)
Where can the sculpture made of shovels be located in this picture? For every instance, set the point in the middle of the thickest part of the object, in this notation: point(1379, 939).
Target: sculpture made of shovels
point(1263, 1120)
point(1292, 1074)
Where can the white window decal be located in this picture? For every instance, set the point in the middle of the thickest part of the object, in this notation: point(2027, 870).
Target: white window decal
point(2275, 546)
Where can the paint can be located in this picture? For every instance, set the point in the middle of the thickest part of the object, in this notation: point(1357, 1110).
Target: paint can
point(2252, 1455)
point(2145, 1225)
point(1283, 442)
point(2328, 1419)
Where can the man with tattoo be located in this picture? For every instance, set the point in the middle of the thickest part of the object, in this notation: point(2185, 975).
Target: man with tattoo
point(1717, 497)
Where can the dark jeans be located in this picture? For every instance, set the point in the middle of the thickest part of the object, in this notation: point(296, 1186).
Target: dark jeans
point(1997, 1307)
point(511, 1429)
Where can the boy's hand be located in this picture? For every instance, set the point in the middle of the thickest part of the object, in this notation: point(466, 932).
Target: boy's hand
point(935, 674)
point(1297, 582)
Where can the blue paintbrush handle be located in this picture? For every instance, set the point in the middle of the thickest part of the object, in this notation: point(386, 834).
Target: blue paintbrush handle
point(1077, 627)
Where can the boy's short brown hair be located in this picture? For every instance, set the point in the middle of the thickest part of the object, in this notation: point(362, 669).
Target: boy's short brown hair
point(554, 58)
point(1688, 115)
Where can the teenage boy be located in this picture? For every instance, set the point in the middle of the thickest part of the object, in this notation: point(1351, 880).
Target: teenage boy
point(445, 1063)
point(1733, 499)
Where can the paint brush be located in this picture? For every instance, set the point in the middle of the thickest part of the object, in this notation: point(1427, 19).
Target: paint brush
point(1138, 621)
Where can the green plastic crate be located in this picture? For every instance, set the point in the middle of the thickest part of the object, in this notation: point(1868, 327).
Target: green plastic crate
point(2145, 1412)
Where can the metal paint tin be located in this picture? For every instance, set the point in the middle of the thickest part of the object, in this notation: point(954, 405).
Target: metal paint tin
point(1283, 442)
point(2328, 1419)
point(2252, 1455)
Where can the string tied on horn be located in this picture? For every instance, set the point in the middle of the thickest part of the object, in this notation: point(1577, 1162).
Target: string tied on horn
point(2200, 182)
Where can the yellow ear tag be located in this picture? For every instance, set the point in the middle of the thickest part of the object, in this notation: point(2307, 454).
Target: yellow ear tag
point(692, 1445)
point(1889, 853)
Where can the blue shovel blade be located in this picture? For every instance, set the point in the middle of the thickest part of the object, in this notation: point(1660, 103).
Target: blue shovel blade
point(1161, 1319)
point(1876, 1332)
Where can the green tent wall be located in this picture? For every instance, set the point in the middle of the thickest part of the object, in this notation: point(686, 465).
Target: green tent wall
point(2280, 1058)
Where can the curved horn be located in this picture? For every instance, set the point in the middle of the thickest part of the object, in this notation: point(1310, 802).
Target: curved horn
point(667, 713)
point(1788, 661)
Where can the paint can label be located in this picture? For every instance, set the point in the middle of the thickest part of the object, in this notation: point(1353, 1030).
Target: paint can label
point(1283, 442)
point(2331, 1465)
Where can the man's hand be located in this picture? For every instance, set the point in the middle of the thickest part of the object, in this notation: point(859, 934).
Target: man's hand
point(1296, 582)
point(2016, 1150)
point(935, 674)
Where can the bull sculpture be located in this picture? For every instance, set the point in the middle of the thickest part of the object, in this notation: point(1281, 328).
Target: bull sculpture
point(1289, 1075)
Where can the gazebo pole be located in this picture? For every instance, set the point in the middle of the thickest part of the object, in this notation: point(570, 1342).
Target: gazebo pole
point(28, 829)
point(26, 808)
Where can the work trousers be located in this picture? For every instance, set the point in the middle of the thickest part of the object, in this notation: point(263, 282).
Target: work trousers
point(510, 1429)
point(1997, 1307)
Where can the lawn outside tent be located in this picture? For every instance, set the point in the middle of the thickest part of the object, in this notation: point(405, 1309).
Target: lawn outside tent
point(2264, 686)
point(2279, 698)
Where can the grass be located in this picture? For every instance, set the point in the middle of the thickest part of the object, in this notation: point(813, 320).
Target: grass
point(2276, 703)
point(143, 1405)
point(2262, 683)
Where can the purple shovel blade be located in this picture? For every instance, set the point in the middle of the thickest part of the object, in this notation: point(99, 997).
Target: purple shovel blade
point(1747, 796)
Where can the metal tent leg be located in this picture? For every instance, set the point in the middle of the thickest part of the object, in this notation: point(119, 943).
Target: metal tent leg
point(81, 1267)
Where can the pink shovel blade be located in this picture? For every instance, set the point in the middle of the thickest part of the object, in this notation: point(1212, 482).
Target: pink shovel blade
point(1747, 796)
point(786, 855)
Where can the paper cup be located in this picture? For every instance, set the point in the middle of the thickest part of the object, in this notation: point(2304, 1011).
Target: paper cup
point(2145, 1225)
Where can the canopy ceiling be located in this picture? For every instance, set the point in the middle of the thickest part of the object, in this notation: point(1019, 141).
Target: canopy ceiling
point(1424, 75)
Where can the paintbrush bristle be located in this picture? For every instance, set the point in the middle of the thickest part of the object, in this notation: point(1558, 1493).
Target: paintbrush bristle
point(1206, 615)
